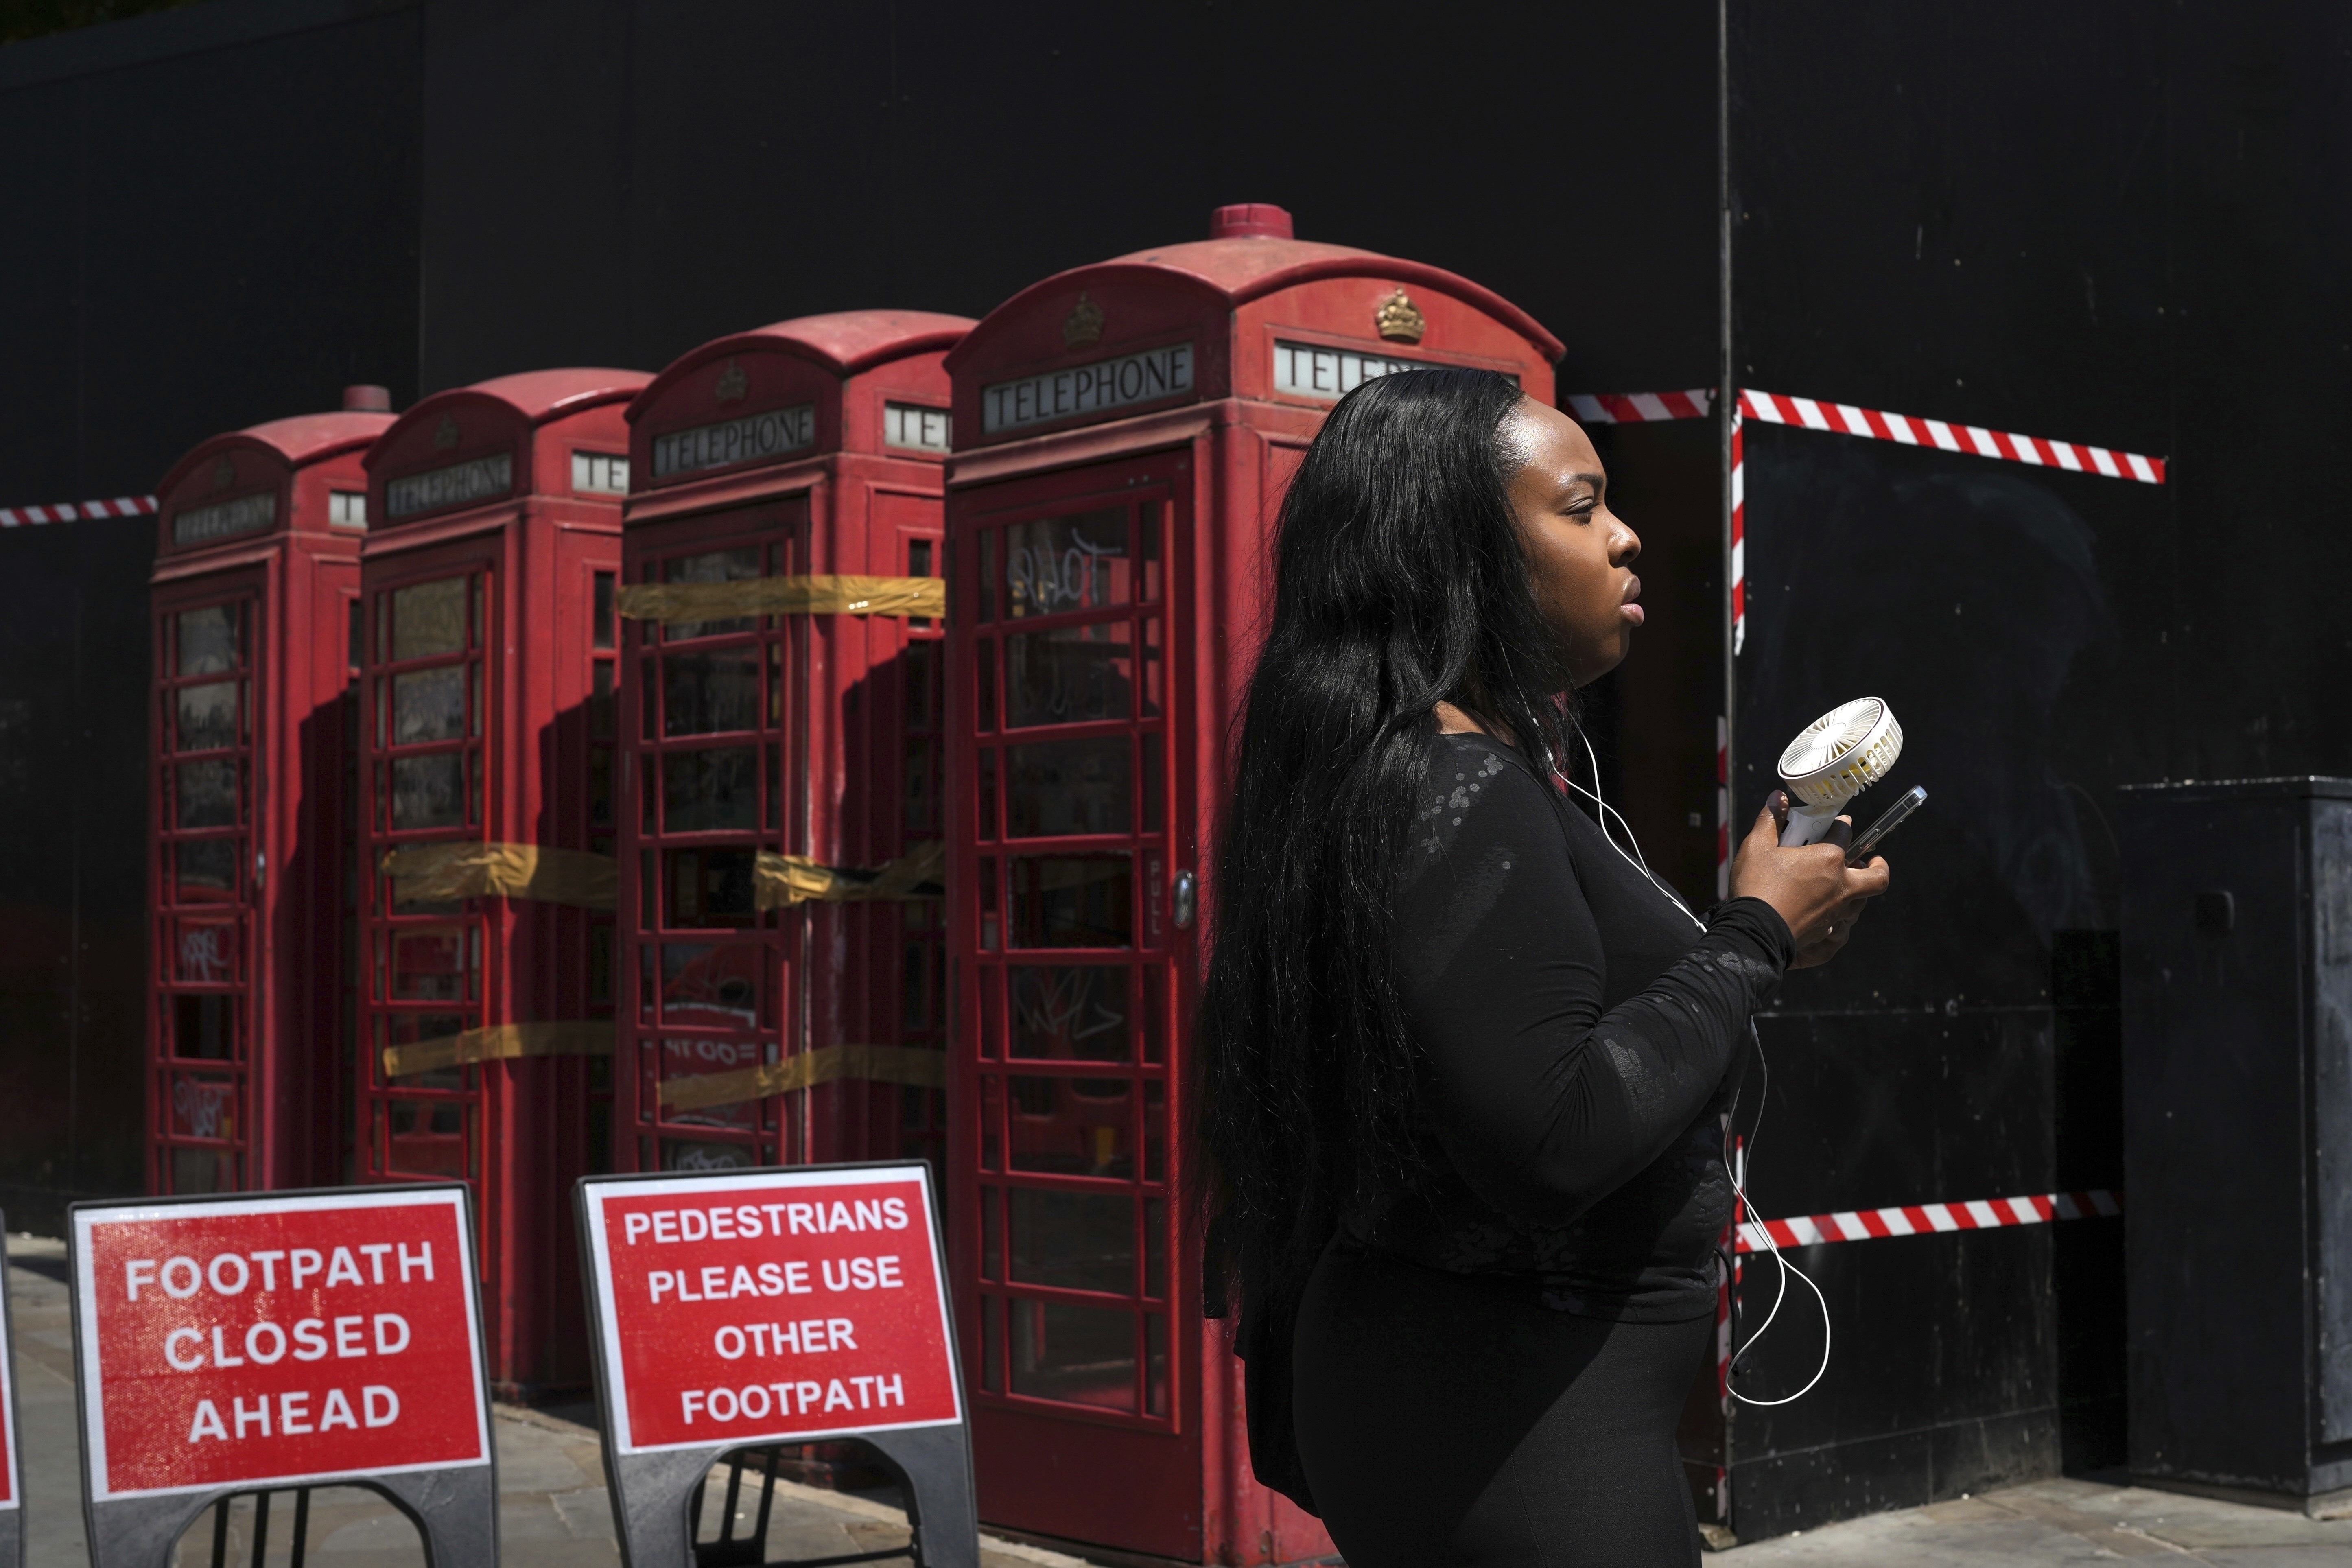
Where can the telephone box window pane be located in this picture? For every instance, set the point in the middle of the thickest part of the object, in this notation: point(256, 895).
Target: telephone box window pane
point(1073, 1127)
point(600, 788)
point(429, 618)
point(703, 693)
point(987, 576)
point(204, 1105)
point(602, 724)
point(1074, 1012)
point(992, 1351)
point(429, 791)
point(1155, 1248)
point(203, 1027)
point(712, 887)
point(706, 791)
point(601, 635)
point(428, 965)
point(1058, 563)
point(209, 716)
point(205, 953)
point(677, 1154)
point(207, 869)
point(1077, 1241)
point(987, 792)
point(921, 802)
point(1068, 676)
point(1155, 1013)
point(991, 1241)
point(1074, 1353)
point(694, 1058)
point(208, 640)
point(427, 1138)
point(985, 675)
point(415, 1029)
point(1155, 1374)
point(1068, 786)
point(1153, 800)
point(428, 705)
point(207, 794)
point(719, 566)
point(711, 985)
point(918, 666)
point(195, 1171)
point(1155, 1131)
point(1073, 901)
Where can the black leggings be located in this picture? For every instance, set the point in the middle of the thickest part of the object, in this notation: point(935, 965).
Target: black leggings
point(1451, 1419)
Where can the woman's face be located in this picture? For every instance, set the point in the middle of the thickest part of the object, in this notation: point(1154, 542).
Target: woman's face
point(1579, 556)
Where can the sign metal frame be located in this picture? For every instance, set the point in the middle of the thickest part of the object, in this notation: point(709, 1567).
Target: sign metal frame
point(651, 1492)
point(454, 1507)
point(12, 1463)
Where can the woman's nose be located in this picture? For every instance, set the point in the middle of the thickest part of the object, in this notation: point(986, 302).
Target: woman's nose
point(1626, 546)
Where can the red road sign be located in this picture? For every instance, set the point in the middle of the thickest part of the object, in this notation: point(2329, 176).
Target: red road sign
point(275, 1341)
point(769, 1306)
point(12, 1490)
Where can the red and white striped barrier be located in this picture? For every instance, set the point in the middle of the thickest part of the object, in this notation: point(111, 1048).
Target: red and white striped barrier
point(68, 512)
point(1640, 408)
point(1845, 419)
point(1927, 1219)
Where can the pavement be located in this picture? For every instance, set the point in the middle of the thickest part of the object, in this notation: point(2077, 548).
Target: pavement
point(553, 1511)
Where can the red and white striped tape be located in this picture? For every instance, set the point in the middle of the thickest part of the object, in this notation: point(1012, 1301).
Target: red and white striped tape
point(1845, 419)
point(1927, 1219)
point(1640, 408)
point(68, 512)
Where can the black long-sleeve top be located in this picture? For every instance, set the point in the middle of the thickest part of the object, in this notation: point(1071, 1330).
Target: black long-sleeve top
point(1583, 1040)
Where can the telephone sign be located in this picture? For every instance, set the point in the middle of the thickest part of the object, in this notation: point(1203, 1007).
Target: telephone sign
point(235, 1345)
point(772, 1306)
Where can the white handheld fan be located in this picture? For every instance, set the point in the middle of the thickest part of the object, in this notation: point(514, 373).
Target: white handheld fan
point(1833, 759)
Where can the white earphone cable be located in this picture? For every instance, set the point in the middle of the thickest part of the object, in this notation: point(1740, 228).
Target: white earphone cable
point(1737, 1168)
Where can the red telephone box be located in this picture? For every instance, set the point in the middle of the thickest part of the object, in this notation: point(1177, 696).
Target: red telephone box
point(251, 877)
point(1124, 432)
point(782, 625)
point(489, 696)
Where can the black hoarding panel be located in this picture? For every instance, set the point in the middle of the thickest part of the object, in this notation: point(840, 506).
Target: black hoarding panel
point(73, 874)
point(227, 234)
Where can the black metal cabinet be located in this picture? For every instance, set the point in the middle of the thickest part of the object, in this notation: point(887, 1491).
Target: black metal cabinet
point(2237, 950)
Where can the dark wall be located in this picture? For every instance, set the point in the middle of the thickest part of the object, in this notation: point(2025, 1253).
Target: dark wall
point(73, 865)
point(225, 199)
point(662, 172)
point(2102, 223)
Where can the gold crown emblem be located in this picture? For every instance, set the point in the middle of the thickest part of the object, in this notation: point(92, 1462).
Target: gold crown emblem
point(223, 472)
point(1398, 320)
point(732, 382)
point(1083, 326)
point(444, 435)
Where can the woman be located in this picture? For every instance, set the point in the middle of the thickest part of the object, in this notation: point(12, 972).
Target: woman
point(1465, 1065)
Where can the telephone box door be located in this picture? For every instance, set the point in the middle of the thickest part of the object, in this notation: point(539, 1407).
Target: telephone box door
point(1069, 598)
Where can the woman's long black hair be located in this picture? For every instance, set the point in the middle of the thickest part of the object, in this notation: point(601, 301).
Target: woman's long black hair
point(1399, 581)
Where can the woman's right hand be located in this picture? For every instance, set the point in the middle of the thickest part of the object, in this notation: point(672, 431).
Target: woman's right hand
point(1810, 886)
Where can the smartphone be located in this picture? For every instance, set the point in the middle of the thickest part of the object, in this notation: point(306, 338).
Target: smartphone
point(1867, 841)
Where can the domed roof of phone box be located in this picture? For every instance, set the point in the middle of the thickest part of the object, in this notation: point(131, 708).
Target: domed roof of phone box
point(842, 342)
point(297, 441)
point(1253, 252)
point(535, 396)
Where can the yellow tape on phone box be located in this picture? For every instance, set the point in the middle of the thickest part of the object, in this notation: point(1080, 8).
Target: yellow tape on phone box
point(444, 873)
point(918, 1067)
point(672, 602)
